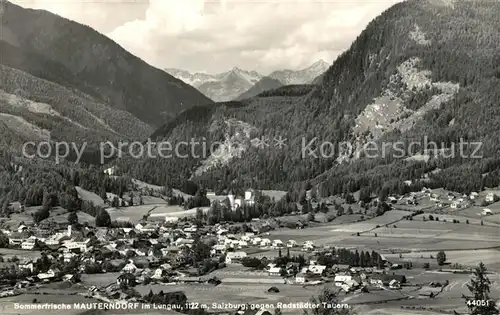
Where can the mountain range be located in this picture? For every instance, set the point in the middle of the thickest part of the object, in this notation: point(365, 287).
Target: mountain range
point(238, 83)
point(66, 78)
point(423, 71)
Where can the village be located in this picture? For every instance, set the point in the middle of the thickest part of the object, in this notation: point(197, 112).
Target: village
point(139, 262)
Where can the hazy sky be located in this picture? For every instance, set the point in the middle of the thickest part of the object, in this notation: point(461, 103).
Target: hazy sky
point(216, 35)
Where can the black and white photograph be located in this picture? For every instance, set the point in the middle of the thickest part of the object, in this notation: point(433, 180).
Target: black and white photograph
point(250, 157)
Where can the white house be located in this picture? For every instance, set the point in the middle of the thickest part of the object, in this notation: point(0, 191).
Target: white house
point(22, 228)
point(29, 243)
point(490, 197)
point(46, 275)
point(256, 241)
point(300, 278)
point(392, 199)
point(16, 239)
point(82, 245)
point(110, 171)
point(218, 249)
point(394, 284)
point(222, 232)
point(435, 197)
point(274, 271)
point(183, 242)
point(247, 237)
point(54, 239)
point(376, 281)
point(308, 246)
point(191, 229)
point(235, 257)
point(148, 228)
point(140, 226)
point(317, 269)
point(473, 195)
point(159, 273)
point(486, 211)
point(130, 267)
point(291, 244)
point(68, 256)
point(342, 278)
point(270, 265)
point(265, 242)
point(456, 205)
point(250, 196)
point(277, 244)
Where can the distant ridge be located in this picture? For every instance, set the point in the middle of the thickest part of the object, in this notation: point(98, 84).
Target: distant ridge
point(238, 83)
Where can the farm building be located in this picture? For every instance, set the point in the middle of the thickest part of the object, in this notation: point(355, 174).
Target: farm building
point(235, 257)
point(486, 211)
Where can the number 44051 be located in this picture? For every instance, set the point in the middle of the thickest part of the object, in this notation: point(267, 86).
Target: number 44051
point(478, 303)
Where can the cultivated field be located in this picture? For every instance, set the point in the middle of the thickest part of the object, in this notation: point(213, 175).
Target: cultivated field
point(132, 214)
point(238, 294)
point(471, 258)
point(399, 235)
point(177, 212)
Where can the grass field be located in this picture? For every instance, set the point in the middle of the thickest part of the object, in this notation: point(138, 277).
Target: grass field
point(26, 254)
point(166, 210)
point(415, 235)
point(99, 280)
point(133, 213)
point(178, 212)
point(240, 294)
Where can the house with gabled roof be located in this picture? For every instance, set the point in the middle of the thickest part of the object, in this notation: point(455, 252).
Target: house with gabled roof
point(130, 267)
point(51, 273)
point(27, 266)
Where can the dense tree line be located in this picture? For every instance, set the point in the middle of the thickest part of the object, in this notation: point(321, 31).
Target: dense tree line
point(49, 186)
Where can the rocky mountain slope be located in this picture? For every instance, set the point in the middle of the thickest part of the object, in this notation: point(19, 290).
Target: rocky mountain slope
point(230, 84)
point(69, 115)
point(421, 72)
point(77, 57)
point(238, 83)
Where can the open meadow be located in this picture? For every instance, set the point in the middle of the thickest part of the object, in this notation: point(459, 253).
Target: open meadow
point(131, 214)
point(57, 214)
point(237, 294)
point(391, 233)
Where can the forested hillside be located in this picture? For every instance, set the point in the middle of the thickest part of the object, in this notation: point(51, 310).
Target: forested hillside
point(44, 185)
point(77, 57)
point(421, 69)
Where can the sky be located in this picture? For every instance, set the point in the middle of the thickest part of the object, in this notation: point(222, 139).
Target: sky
point(214, 36)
